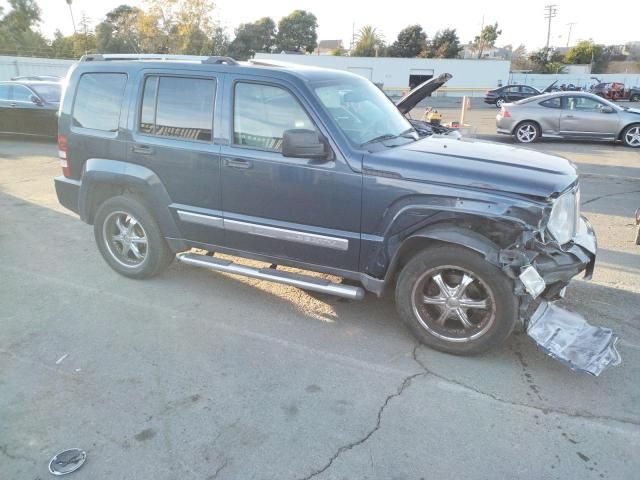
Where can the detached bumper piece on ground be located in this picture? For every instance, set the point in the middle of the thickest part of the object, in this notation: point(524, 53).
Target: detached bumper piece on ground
point(567, 337)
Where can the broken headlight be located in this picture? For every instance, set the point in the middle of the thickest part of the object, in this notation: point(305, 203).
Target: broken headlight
point(563, 221)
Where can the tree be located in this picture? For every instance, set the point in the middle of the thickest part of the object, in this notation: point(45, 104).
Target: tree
point(410, 43)
point(259, 36)
point(546, 61)
point(297, 32)
point(17, 34)
point(368, 42)
point(119, 32)
point(586, 51)
point(445, 44)
point(486, 39)
point(519, 59)
point(194, 26)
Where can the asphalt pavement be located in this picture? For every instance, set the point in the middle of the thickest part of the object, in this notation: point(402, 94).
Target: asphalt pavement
point(202, 375)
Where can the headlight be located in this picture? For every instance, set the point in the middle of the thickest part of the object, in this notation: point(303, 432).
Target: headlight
point(564, 217)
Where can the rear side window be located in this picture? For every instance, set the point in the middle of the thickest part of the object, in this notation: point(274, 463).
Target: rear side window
point(552, 103)
point(98, 100)
point(179, 107)
point(4, 92)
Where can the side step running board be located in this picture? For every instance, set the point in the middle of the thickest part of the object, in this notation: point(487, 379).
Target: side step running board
point(304, 282)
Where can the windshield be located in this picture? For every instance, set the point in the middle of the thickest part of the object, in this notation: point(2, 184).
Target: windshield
point(361, 110)
point(49, 93)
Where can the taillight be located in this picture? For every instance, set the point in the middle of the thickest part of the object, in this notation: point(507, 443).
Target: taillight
point(62, 155)
point(505, 113)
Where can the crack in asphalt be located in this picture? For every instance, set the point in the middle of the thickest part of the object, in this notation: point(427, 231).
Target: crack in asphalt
point(600, 197)
point(544, 410)
point(222, 466)
point(344, 448)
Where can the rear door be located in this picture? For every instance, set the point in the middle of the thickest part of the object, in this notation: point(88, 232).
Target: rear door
point(584, 117)
point(174, 137)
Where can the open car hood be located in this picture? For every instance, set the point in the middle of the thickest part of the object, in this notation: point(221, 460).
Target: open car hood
point(550, 87)
point(421, 91)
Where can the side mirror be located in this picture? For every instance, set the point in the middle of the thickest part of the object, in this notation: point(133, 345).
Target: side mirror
point(607, 109)
point(301, 143)
point(35, 100)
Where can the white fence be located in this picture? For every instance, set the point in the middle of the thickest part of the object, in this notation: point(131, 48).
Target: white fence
point(20, 66)
point(541, 81)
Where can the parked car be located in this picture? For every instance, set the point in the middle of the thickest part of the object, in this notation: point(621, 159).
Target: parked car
point(569, 115)
point(29, 107)
point(616, 91)
point(317, 169)
point(44, 78)
point(513, 93)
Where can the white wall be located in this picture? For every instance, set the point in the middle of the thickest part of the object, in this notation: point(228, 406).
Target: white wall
point(541, 81)
point(16, 66)
point(469, 76)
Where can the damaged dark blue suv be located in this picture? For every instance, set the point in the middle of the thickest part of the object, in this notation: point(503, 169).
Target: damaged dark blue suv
point(317, 169)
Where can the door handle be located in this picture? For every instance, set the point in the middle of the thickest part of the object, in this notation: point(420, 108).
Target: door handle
point(237, 163)
point(142, 149)
point(13, 104)
point(569, 116)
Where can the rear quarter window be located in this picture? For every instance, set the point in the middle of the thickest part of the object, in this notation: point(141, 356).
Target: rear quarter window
point(98, 101)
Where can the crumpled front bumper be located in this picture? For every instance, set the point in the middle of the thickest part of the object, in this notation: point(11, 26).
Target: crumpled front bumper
point(564, 335)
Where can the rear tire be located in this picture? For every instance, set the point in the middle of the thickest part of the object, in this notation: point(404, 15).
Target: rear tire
point(631, 136)
point(527, 132)
point(500, 101)
point(469, 309)
point(129, 238)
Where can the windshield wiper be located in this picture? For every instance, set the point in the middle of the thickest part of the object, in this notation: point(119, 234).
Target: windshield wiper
point(386, 136)
point(389, 136)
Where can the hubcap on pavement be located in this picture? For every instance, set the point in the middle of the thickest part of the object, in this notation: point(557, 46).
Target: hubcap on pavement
point(453, 304)
point(125, 238)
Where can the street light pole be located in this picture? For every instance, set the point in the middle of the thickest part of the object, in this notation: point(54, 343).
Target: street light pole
point(71, 12)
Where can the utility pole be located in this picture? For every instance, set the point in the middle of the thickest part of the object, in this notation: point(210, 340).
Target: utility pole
point(550, 12)
point(570, 25)
point(71, 12)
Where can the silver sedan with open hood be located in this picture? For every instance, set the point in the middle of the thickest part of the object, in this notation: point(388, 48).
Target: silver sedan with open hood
point(569, 115)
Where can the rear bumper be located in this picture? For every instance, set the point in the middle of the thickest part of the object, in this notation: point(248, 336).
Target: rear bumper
point(489, 100)
point(68, 191)
point(504, 131)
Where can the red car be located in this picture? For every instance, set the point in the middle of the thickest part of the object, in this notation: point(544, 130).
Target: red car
point(616, 91)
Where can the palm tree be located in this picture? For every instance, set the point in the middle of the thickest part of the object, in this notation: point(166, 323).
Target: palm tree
point(368, 43)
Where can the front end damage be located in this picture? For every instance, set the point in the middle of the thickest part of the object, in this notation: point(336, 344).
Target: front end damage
point(541, 272)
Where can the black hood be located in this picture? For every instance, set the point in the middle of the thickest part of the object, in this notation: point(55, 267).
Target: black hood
point(477, 164)
point(421, 91)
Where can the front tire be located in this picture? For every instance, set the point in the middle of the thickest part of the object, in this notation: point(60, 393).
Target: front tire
point(499, 102)
point(527, 132)
point(631, 136)
point(455, 301)
point(129, 238)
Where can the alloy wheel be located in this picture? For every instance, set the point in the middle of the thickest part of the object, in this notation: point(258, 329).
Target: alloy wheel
point(125, 239)
point(499, 102)
point(632, 136)
point(453, 304)
point(527, 133)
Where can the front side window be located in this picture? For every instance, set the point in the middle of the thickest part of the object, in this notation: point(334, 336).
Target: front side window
point(178, 107)
point(584, 104)
point(50, 93)
point(361, 110)
point(552, 103)
point(98, 100)
point(262, 113)
point(21, 93)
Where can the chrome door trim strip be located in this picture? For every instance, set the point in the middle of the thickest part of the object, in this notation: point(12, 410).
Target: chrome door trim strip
point(297, 236)
point(200, 219)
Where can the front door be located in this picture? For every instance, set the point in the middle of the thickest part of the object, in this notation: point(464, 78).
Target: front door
point(5, 108)
point(173, 136)
point(585, 117)
point(300, 209)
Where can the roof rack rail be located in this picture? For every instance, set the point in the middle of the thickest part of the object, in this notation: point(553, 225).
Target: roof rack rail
point(114, 57)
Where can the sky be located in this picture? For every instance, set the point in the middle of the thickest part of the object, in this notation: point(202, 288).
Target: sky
point(524, 24)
